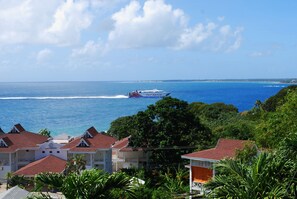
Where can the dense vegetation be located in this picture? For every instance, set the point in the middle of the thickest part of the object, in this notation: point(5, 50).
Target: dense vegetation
point(272, 124)
point(167, 129)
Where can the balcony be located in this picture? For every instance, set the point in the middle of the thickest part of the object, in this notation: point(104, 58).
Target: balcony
point(25, 161)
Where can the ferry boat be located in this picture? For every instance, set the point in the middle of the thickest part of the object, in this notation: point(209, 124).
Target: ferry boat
point(155, 93)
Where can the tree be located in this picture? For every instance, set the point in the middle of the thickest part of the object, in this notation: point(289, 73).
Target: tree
point(76, 164)
point(224, 121)
point(120, 128)
point(168, 129)
point(280, 124)
point(88, 184)
point(271, 104)
point(266, 177)
point(45, 132)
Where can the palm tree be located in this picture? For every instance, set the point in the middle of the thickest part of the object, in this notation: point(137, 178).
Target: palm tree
point(8, 177)
point(262, 179)
point(89, 184)
point(76, 164)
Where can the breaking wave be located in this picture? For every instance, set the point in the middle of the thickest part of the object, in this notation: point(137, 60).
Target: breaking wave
point(65, 97)
point(275, 86)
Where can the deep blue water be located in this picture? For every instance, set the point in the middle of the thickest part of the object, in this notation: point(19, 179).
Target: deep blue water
point(72, 107)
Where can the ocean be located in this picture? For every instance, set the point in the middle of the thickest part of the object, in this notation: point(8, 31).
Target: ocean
point(72, 107)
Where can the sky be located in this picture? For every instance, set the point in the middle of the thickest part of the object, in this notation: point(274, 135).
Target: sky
point(116, 40)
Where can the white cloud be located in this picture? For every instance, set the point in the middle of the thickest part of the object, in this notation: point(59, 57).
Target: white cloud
point(69, 19)
point(192, 37)
point(48, 21)
point(89, 49)
point(43, 55)
point(158, 24)
point(260, 53)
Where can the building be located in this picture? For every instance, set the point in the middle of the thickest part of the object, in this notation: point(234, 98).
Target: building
point(18, 148)
point(124, 156)
point(202, 162)
point(27, 153)
point(95, 147)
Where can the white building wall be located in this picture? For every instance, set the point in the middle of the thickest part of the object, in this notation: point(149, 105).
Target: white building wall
point(50, 148)
point(3, 172)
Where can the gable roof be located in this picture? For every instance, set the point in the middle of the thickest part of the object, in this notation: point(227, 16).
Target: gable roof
point(98, 141)
point(21, 140)
point(225, 148)
point(47, 164)
point(17, 128)
point(123, 145)
point(91, 131)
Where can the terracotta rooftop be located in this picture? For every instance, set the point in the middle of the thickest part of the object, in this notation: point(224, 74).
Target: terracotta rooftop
point(47, 164)
point(17, 128)
point(123, 145)
point(22, 140)
point(225, 148)
point(97, 141)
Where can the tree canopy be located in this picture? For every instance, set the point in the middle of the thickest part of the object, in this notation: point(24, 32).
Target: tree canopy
point(280, 124)
point(45, 132)
point(167, 129)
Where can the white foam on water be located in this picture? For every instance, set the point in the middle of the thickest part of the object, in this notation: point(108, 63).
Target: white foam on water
point(65, 97)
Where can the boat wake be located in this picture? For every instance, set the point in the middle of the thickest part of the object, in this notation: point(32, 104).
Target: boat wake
point(65, 97)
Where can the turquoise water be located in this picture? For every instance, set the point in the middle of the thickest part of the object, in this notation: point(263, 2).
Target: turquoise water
point(72, 107)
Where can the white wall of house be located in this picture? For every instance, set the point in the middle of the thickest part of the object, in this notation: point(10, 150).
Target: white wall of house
point(101, 159)
point(24, 157)
point(50, 148)
point(3, 172)
point(128, 159)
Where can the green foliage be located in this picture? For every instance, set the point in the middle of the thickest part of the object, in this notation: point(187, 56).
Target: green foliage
point(224, 121)
point(76, 164)
point(48, 181)
point(277, 100)
point(168, 129)
point(88, 184)
point(247, 154)
point(266, 177)
point(120, 128)
point(213, 111)
point(45, 132)
point(21, 181)
point(278, 125)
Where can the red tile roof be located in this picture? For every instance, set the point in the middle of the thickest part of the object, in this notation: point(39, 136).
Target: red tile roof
point(122, 145)
point(225, 148)
point(47, 164)
point(98, 141)
point(21, 140)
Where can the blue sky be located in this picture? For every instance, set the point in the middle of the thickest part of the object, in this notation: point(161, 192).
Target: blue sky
point(102, 40)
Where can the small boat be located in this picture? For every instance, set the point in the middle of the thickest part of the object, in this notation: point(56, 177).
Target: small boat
point(155, 93)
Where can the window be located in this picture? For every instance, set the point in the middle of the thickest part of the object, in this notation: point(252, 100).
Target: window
point(82, 143)
point(58, 151)
point(43, 151)
point(51, 152)
point(87, 135)
point(2, 143)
